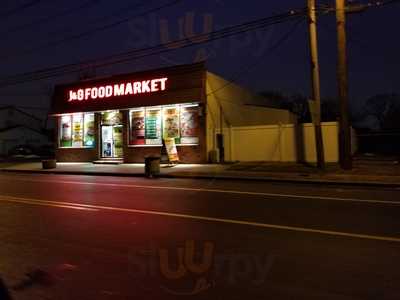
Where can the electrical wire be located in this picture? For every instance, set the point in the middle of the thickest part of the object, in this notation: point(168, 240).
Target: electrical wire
point(162, 48)
point(48, 19)
point(87, 33)
point(120, 11)
point(159, 49)
point(244, 71)
point(111, 60)
point(357, 7)
point(382, 3)
point(19, 9)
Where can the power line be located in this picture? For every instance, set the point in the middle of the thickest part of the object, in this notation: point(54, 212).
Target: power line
point(244, 71)
point(26, 107)
point(48, 19)
point(380, 3)
point(128, 56)
point(58, 71)
point(357, 7)
point(118, 12)
point(140, 53)
point(19, 9)
point(161, 48)
point(87, 33)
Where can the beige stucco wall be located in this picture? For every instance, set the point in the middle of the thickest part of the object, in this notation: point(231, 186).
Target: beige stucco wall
point(233, 106)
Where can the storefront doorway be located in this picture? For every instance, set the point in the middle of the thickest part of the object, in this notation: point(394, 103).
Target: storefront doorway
point(111, 141)
point(111, 135)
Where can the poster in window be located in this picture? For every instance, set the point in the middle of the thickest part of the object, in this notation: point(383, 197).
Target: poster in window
point(153, 127)
point(171, 123)
point(189, 125)
point(118, 144)
point(111, 118)
point(89, 130)
point(137, 127)
point(77, 130)
point(66, 132)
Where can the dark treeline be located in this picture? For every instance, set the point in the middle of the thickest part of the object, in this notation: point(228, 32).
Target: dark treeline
point(380, 112)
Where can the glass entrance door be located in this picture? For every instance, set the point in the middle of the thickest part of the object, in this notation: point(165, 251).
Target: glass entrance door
point(107, 141)
point(111, 135)
point(111, 141)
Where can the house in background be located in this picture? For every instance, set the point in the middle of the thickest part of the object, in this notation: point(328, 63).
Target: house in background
point(18, 127)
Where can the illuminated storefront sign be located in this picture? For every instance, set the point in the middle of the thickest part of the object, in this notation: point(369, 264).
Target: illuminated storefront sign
point(117, 90)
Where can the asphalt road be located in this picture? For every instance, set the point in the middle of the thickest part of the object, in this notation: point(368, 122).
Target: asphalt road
point(86, 237)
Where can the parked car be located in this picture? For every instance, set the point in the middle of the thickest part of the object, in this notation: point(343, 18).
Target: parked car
point(23, 152)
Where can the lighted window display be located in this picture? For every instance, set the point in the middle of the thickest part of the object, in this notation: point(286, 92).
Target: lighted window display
point(77, 130)
point(189, 124)
point(89, 130)
point(153, 126)
point(171, 123)
point(150, 125)
point(111, 118)
point(66, 132)
point(118, 144)
point(137, 132)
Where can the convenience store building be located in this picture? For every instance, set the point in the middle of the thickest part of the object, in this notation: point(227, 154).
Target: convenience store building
point(126, 117)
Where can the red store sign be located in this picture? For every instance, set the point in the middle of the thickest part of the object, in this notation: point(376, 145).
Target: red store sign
point(119, 89)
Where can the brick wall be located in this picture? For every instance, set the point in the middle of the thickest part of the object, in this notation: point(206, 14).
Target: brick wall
point(76, 155)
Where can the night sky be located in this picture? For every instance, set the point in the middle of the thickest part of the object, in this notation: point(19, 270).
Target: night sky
point(374, 45)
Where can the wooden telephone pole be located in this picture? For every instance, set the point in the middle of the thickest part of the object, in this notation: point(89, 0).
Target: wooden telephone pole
point(342, 73)
point(316, 90)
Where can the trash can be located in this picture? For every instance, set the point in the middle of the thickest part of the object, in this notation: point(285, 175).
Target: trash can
point(152, 166)
point(49, 164)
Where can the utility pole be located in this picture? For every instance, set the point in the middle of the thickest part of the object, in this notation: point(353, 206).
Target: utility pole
point(342, 73)
point(316, 90)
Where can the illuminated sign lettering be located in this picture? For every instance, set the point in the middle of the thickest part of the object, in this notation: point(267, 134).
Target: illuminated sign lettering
point(119, 89)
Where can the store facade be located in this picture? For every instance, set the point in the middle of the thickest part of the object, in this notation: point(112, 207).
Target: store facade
point(129, 117)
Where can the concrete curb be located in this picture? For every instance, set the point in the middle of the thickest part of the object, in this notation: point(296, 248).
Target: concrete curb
point(217, 177)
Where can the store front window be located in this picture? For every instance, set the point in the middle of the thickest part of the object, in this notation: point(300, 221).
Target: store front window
point(150, 125)
point(77, 131)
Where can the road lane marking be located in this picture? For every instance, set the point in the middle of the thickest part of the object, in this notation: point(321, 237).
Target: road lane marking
point(46, 203)
point(263, 194)
point(199, 218)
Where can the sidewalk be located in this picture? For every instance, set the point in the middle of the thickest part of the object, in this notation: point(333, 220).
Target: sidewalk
point(364, 173)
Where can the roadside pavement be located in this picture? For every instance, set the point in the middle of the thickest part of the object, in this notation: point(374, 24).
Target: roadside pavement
point(379, 173)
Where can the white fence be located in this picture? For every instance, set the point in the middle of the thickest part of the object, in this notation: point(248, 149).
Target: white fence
point(281, 143)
